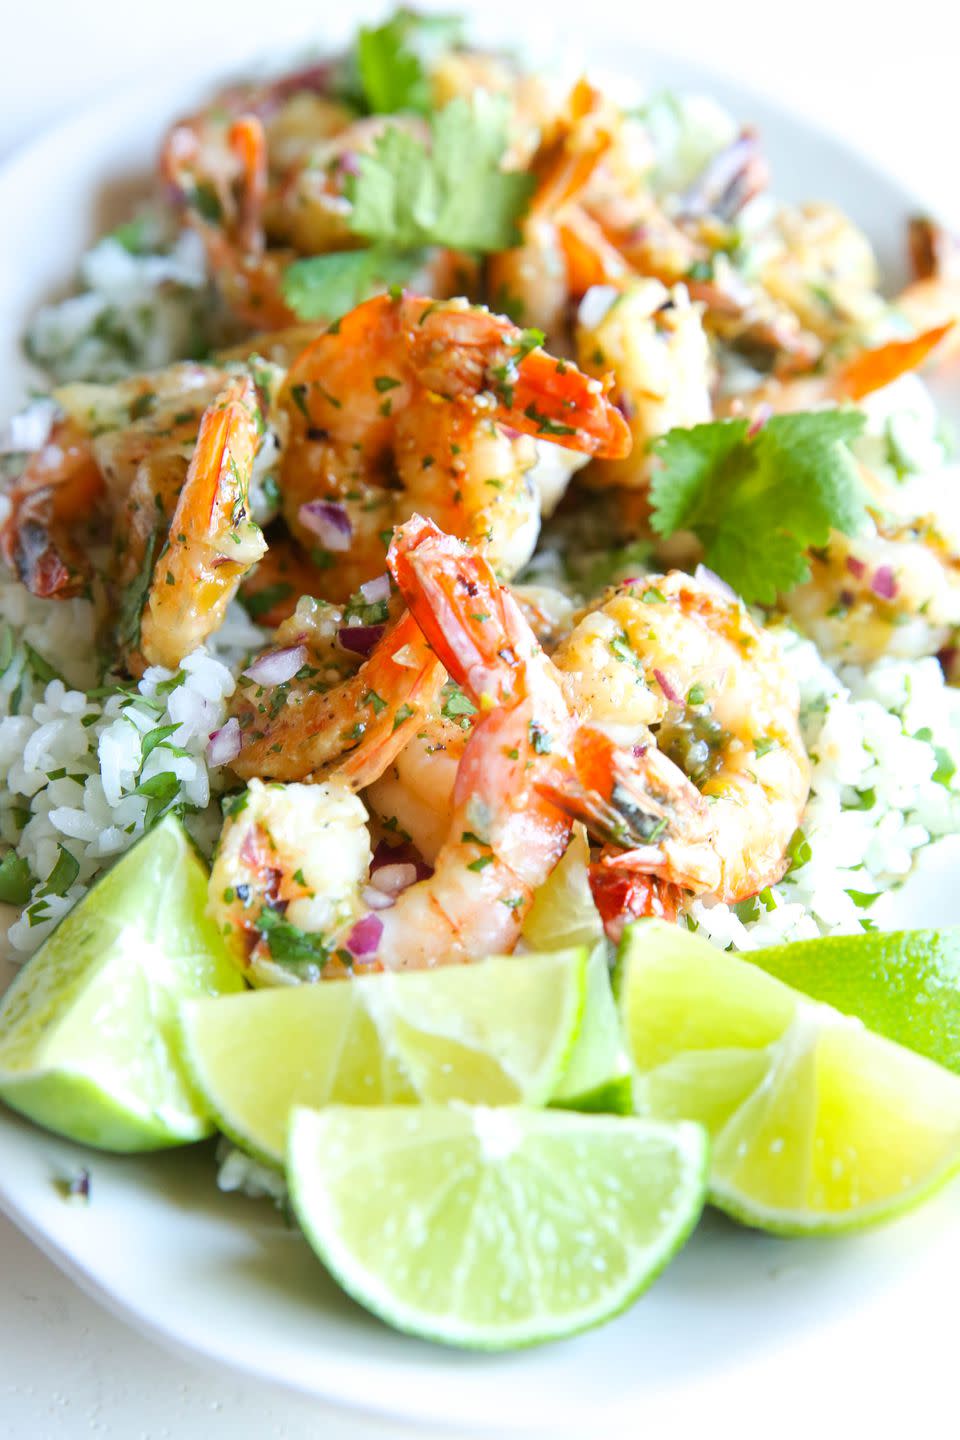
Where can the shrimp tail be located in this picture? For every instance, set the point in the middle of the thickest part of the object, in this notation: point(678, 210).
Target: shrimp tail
point(437, 576)
point(623, 895)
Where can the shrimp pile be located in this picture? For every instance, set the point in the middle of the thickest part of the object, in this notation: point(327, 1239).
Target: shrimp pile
point(442, 500)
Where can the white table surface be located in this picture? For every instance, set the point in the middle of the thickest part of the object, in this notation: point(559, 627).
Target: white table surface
point(880, 77)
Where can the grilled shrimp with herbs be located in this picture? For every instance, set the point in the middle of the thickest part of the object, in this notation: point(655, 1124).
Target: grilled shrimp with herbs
point(672, 669)
point(410, 404)
point(334, 695)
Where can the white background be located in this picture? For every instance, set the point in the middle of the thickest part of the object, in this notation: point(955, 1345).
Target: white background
point(881, 77)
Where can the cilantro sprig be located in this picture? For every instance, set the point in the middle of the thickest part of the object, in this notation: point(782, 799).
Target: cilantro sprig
point(409, 195)
point(759, 501)
point(394, 59)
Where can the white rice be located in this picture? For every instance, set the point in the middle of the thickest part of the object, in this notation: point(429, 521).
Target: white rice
point(136, 311)
point(74, 775)
point(874, 802)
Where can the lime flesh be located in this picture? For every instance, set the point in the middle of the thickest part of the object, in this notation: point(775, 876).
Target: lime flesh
point(563, 912)
point(493, 1228)
point(88, 1032)
point(499, 1032)
point(816, 1123)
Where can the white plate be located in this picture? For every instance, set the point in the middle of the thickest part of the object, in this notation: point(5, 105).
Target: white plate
point(222, 1278)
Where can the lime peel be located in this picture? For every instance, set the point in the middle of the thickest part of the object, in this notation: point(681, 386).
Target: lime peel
point(493, 1228)
point(817, 1124)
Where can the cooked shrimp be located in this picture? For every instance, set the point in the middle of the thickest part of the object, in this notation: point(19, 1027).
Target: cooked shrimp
point(430, 386)
point(933, 299)
point(59, 491)
point(290, 865)
point(89, 466)
point(895, 588)
point(531, 280)
point(213, 540)
point(654, 341)
point(726, 775)
point(305, 707)
point(502, 837)
point(414, 796)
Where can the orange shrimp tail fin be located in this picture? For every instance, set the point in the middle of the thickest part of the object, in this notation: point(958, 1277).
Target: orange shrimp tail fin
point(472, 623)
point(555, 401)
point(625, 895)
point(872, 369)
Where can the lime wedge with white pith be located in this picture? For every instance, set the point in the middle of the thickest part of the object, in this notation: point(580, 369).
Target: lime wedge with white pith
point(598, 1075)
point(498, 1033)
point(493, 1228)
point(88, 1032)
point(816, 1123)
point(904, 985)
point(563, 911)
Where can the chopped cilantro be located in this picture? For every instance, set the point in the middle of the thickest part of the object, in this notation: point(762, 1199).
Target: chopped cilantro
point(16, 881)
point(456, 706)
point(156, 737)
point(757, 503)
point(540, 739)
point(265, 599)
point(63, 874)
point(289, 945)
point(798, 851)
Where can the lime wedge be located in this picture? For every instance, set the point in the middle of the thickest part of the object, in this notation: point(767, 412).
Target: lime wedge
point(88, 1035)
point(598, 1076)
point(816, 1123)
point(498, 1032)
point(493, 1228)
point(563, 912)
point(904, 985)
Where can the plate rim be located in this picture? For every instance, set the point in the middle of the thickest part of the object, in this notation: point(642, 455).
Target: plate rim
point(146, 98)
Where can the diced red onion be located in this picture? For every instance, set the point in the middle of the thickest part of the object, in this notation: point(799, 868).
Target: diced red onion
point(710, 577)
point(762, 414)
point(350, 162)
point(391, 879)
point(224, 744)
point(360, 639)
point(329, 521)
point(626, 406)
point(276, 667)
point(365, 937)
point(670, 693)
point(376, 590)
point(884, 582)
point(855, 566)
point(376, 898)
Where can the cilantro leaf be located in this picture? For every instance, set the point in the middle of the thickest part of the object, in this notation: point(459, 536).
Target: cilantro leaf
point(393, 59)
point(758, 503)
point(324, 287)
point(454, 193)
